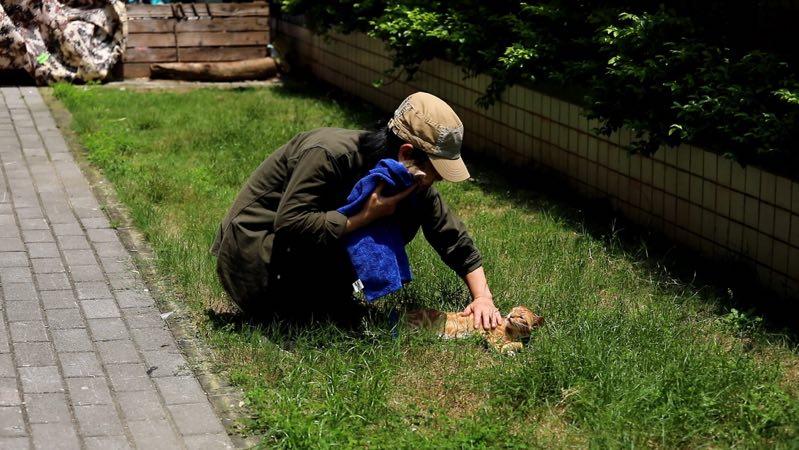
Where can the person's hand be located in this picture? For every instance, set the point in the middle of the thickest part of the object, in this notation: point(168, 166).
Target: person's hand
point(485, 313)
point(379, 206)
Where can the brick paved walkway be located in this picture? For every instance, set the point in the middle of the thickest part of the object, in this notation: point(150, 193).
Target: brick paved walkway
point(85, 359)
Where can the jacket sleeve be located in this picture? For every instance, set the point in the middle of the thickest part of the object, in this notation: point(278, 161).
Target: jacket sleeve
point(303, 209)
point(448, 236)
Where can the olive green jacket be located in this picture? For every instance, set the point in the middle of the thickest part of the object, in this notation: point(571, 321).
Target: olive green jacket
point(282, 236)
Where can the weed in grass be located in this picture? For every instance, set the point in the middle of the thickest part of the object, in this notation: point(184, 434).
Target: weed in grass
point(630, 356)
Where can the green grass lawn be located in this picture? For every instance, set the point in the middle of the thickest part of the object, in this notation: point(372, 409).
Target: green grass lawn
point(629, 357)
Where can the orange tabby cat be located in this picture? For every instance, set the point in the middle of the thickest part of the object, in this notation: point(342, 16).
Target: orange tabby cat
point(506, 337)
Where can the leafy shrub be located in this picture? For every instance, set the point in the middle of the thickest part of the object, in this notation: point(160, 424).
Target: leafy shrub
point(712, 74)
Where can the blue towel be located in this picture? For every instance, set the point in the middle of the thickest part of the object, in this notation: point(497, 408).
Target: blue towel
point(377, 251)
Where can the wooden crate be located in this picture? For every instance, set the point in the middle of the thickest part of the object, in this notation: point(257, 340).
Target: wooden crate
point(194, 32)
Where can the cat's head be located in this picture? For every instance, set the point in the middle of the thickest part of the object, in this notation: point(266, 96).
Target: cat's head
point(522, 321)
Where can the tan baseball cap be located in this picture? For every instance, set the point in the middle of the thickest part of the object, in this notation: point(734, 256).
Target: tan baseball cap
point(428, 123)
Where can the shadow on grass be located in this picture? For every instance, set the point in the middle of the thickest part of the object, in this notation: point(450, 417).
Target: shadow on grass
point(349, 321)
point(722, 284)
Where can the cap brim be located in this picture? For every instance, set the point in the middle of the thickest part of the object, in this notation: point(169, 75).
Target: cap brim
point(450, 169)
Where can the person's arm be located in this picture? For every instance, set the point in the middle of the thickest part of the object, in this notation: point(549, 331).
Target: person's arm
point(304, 209)
point(482, 306)
point(448, 236)
point(376, 207)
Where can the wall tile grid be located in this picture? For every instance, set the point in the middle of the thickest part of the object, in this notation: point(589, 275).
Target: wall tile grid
point(694, 197)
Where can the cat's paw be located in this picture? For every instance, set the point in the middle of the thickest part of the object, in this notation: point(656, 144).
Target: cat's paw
point(512, 348)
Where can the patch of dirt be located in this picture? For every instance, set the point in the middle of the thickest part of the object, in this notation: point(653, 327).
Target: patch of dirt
point(551, 429)
point(145, 84)
point(425, 382)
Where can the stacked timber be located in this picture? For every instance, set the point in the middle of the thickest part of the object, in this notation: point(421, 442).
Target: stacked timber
point(194, 32)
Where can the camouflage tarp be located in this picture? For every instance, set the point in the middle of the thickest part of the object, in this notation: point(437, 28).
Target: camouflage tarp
point(53, 40)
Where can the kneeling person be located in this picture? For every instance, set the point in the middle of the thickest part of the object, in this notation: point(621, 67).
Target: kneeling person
point(280, 249)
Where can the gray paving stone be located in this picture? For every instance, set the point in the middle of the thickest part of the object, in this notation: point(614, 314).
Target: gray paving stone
point(147, 317)
point(7, 366)
point(28, 331)
point(63, 299)
point(34, 224)
point(110, 249)
point(52, 281)
point(47, 265)
point(30, 354)
point(23, 312)
point(100, 308)
point(30, 236)
point(107, 443)
point(89, 391)
point(153, 338)
point(95, 222)
point(196, 418)
point(117, 265)
point(117, 352)
point(166, 362)
point(133, 298)
point(72, 340)
point(129, 377)
point(43, 250)
point(47, 408)
point(80, 364)
point(64, 224)
point(140, 405)
point(208, 442)
point(108, 329)
point(29, 213)
point(5, 342)
point(9, 275)
point(64, 318)
point(9, 393)
point(73, 243)
point(13, 259)
point(92, 290)
point(23, 292)
point(98, 420)
point(9, 232)
point(125, 281)
point(14, 443)
point(12, 244)
point(11, 421)
point(86, 273)
point(177, 390)
point(55, 436)
point(153, 434)
point(102, 235)
point(79, 257)
point(39, 380)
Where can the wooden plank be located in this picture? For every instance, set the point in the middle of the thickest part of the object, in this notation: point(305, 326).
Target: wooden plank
point(239, 9)
point(259, 9)
point(151, 26)
point(216, 54)
point(223, 39)
point(224, 24)
point(149, 54)
point(151, 40)
point(135, 11)
point(135, 70)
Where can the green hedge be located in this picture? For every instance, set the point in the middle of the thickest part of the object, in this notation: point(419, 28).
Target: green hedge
point(717, 74)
